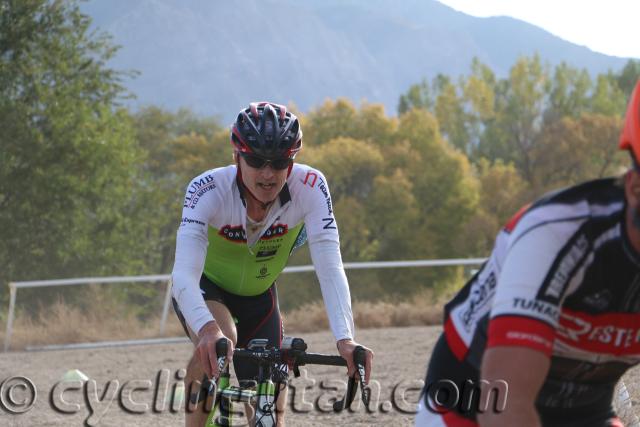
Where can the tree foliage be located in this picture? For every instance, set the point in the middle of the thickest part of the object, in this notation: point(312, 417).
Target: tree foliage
point(67, 169)
point(86, 188)
point(394, 189)
point(549, 123)
point(176, 147)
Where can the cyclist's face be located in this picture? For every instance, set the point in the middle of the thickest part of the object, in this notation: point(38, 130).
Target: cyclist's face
point(264, 183)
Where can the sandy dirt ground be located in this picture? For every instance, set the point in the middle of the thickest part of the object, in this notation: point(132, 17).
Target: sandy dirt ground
point(400, 361)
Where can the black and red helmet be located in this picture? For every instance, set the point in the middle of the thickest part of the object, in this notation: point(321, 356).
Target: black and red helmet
point(267, 130)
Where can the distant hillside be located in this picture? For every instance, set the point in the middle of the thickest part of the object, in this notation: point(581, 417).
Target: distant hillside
point(216, 56)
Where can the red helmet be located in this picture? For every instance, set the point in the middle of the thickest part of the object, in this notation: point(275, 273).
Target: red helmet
point(267, 130)
point(630, 136)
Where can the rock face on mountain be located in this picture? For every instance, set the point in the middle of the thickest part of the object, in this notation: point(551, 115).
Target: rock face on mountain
point(215, 56)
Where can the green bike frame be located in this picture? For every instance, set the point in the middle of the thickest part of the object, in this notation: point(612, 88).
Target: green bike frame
point(222, 414)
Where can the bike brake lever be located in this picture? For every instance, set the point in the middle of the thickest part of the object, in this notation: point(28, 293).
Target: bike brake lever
point(359, 358)
point(346, 401)
point(221, 352)
point(221, 348)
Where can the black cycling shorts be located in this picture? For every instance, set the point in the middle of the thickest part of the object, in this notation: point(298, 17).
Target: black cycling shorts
point(255, 317)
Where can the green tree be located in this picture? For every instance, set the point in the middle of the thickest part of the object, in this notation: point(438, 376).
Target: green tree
point(331, 120)
point(528, 133)
point(628, 76)
point(607, 97)
point(418, 96)
point(371, 124)
point(341, 118)
point(502, 191)
point(397, 214)
point(569, 91)
point(350, 164)
point(452, 119)
point(67, 170)
point(574, 150)
point(176, 147)
point(525, 104)
point(479, 91)
point(445, 194)
point(399, 190)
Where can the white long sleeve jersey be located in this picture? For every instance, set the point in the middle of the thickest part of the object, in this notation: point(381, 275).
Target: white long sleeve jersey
point(212, 240)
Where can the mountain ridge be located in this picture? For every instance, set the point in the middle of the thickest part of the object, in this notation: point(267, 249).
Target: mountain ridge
point(215, 57)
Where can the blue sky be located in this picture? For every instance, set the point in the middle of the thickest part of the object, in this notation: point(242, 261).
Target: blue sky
point(611, 27)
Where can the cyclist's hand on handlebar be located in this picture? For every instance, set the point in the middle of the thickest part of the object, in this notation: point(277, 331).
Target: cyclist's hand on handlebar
point(206, 348)
point(346, 348)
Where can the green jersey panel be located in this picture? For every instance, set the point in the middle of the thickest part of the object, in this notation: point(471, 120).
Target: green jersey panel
point(245, 271)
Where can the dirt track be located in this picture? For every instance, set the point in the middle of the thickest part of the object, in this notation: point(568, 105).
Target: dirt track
point(401, 356)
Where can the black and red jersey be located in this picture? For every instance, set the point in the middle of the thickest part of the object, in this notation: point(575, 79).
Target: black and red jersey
point(562, 279)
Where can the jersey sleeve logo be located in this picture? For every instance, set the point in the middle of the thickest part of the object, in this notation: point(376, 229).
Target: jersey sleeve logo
point(481, 294)
point(310, 179)
point(187, 221)
point(563, 269)
point(323, 187)
point(329, 224)
point(197, 189)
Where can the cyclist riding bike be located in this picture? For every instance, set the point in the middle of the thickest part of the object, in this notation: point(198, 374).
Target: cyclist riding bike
point(239, 225)
point(554, 311)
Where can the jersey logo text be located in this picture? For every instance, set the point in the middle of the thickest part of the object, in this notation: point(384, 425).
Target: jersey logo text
point(310, 179)
point(186, 221)
point(329, 224)
point(537, 306)
point(234, 233)
point(197, 190)
point(480, 295)
point(563, 271)
point(276, 230)
point(325, 192)
point(613, 333)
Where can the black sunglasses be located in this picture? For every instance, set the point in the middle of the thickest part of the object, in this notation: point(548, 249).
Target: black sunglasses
point(259, 162)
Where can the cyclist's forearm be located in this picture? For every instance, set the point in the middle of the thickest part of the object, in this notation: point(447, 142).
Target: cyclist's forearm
point(524, 370)
point(327, 261)
point(190, 253)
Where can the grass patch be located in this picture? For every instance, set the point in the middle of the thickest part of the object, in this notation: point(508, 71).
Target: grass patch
point(423, 309)
point(107, 320)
